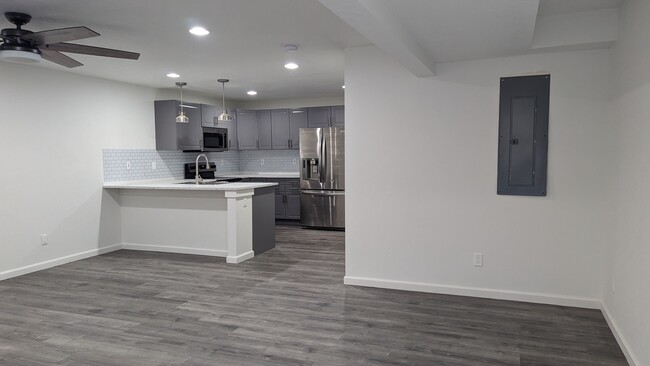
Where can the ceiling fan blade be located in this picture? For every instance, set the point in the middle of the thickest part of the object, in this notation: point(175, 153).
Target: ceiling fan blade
point(59, 35)
point(91, 50)
point(59, 58)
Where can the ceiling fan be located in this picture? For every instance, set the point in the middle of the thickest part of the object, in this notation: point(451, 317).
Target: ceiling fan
point(21, 45)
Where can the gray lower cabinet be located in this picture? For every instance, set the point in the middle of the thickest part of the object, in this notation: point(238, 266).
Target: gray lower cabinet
point(287, 198)
point(280, 129)
point(297, 120)
point(177, 136)
point(292, 206)
point(280, 209)
point(247, 129)
point(264, 130)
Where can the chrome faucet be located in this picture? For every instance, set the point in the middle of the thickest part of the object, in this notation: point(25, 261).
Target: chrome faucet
point(197, 177)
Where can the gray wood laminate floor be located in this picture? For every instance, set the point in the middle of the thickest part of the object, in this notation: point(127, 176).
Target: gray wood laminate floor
point(285, 307)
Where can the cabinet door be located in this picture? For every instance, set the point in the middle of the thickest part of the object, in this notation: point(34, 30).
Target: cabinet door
point(165, 113)
point(338, 116)
point(319, 117)
point(280, 211)
point(297, 120)
point(247, 129)
point(264, 129)
point(189, 135)
point(280, 129)
point(208, 115)
point(293, 206)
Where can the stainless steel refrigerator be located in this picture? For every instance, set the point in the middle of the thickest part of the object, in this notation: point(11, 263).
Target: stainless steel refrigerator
point(322, 177)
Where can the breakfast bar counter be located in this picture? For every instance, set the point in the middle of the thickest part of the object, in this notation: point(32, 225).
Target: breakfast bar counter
point(231, 220)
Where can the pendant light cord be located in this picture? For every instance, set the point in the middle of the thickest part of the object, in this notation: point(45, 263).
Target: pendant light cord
point(181, 99)
point(223, 95)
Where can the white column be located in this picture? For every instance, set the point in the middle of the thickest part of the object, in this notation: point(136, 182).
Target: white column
point(240, 225)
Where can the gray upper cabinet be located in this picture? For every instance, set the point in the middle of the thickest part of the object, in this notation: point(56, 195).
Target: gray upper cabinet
point(327, 116)
point(298, 120)
point(277, 129)
point(280, 129)
point(247, 129)
point(264, 130)
point(338, 116)
point(177, 136)
point(208, 115)
point(319, 117)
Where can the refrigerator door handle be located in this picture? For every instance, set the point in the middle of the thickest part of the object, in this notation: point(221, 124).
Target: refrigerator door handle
point(321, 161)
point(323, 193)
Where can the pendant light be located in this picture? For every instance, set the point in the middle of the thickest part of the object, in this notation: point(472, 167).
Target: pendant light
point(224, 116)
point(182, 118)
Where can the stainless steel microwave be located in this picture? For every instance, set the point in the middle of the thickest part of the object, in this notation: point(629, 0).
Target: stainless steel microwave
point(214, 139)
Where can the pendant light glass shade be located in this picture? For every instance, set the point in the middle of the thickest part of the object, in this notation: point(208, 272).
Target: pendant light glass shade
point(182, 118)
point(224, 116)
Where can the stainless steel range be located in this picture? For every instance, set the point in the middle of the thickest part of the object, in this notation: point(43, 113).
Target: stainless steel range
point(322, 177)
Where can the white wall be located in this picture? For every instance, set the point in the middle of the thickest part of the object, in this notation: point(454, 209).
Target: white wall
point(53, 129)
point(421, 166)
point(628, 292)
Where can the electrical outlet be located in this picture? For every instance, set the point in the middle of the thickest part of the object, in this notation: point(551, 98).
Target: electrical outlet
point(44, 239)
point(128, 165)
point(153, 165)
point(262, 161)
point(223, 162)
point(478, 259)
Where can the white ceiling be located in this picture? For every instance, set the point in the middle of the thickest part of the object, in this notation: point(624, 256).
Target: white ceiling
point(421, 33)
point(245, 43)
point(456, 30)
point(552, 7)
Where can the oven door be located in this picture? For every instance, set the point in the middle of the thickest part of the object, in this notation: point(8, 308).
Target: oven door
point(214, 139)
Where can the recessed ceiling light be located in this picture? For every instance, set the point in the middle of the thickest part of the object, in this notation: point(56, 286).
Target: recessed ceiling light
point(251, 92)
point(199, 31)
point(291, 66)
point(173, 75)
point(343, 86)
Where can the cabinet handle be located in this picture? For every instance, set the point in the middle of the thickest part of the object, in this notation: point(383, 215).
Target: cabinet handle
point(229, 143)
point(289, 143)
point(284, 198)
point(258, 144)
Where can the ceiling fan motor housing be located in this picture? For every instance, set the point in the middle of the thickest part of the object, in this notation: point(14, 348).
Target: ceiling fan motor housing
point(13, 42)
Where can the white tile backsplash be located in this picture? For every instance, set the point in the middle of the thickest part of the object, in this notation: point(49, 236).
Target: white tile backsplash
point(169, 164)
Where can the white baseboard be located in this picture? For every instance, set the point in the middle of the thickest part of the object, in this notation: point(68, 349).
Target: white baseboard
point(57, 261)
point(179, 250)
point(240, 258)
point(475, 292)
point(631, 358)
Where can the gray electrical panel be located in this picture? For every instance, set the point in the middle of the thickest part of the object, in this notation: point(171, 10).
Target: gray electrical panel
point(523, 135)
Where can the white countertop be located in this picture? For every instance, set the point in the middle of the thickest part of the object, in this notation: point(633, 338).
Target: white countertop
point(173, 184)
point(260, 175)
